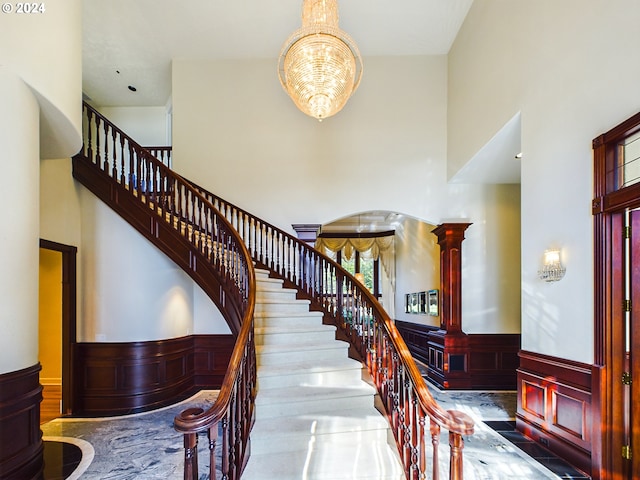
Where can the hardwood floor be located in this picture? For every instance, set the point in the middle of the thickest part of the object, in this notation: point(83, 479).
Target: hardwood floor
point(51, 403)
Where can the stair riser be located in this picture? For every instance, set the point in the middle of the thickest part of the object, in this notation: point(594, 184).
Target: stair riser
point(293, 442)
point(295, 338)
point(330, 379)
point(290, 407)
point(287, 321)
point(291, 358)
point(282, 308)
point(276, 295)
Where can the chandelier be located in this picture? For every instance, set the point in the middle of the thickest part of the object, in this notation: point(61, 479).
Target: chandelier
point(320, 65)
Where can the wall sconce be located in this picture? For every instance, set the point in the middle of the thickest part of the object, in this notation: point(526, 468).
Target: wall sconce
point(552, 269)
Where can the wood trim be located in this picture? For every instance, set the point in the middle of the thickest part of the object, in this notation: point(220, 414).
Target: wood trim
point(416, 336)
point(21, 446)
point(122, 378)
point(555, 406)
point(155, 229)
point(353, 234)
point(490, 360)
point(69, 316)
point(493, 360)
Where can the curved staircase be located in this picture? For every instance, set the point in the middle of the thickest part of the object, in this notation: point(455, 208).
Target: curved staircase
point(314, 414)
point(292, 403)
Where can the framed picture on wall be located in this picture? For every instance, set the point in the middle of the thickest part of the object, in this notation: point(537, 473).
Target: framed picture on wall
point(414, 303)
point(422, 302)
point(407, 303)
point(432, 302)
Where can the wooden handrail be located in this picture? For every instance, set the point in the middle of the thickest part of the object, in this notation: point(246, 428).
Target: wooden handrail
point(214, 247)
point(370, 330)
point(162, 153)
point(413, 413)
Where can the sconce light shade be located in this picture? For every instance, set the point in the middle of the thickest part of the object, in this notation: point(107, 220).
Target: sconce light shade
point(552, 269)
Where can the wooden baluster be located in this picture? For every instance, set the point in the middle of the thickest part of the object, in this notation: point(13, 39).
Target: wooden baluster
point(190, 456)
point(106, 148)
point(114, 163)
point(422, 448)
point(434, 428)
point(232, 438)
point(212, 433)
point(225, 448)
point(209, 237)
point(98, 162)
point(123, 177)
point(89, 136)
point(456, 444)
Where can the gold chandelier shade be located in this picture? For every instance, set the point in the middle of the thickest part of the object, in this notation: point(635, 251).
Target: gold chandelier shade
point(320, 66)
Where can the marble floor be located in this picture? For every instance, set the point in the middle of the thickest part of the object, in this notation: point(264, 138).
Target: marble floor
point(145, 446)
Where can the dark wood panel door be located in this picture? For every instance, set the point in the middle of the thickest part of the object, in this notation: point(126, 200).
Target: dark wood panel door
point(632, 383)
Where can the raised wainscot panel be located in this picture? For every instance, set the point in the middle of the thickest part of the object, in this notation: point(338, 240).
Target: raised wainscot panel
point(21, 444)
point(554, 406)
point(129, 377)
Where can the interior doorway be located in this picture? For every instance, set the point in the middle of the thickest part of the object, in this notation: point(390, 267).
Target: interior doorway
point(616, 214)
point(57, 327)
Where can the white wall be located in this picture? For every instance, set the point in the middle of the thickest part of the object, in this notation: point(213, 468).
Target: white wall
point(236, 132)
point(19, 258)
point(571, 69)
point(45, 50)
point(132, 291)
point(148, 126)
point(417, 266)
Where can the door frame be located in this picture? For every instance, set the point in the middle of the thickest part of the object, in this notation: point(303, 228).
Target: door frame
point(69, 316)
point(610, 202)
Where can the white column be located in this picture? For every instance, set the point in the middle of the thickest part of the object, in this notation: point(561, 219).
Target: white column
point(19, 223)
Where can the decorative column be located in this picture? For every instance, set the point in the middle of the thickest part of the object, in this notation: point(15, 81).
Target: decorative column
point(449, 346)
point(307, 232)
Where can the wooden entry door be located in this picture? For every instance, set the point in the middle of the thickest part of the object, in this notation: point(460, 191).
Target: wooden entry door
point(616, 215)
point(631, 379)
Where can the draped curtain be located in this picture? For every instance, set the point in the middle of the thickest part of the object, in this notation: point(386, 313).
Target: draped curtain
point(382, 248)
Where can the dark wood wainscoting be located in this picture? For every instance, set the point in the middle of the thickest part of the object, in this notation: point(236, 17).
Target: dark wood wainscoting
point(21, 444)
point(555, 406)
point(493, 360)
point(480, 362)
point(122, 378)
point(416, 336)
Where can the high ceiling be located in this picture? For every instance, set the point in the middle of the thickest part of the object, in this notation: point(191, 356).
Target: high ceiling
point(132, 42)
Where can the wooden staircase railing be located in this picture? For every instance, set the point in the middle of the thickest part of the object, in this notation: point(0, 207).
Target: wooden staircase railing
point(412, 411)
point(169, 212)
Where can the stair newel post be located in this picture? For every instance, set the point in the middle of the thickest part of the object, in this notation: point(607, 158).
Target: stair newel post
point(190, 456)
point(456, 443)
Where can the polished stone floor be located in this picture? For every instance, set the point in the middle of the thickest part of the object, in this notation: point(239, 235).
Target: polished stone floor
point(145, 446)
